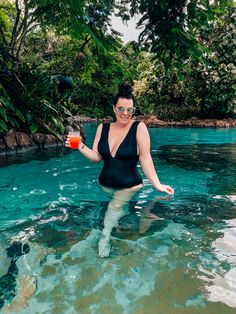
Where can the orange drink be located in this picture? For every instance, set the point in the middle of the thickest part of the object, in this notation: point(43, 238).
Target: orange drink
point(74, 141)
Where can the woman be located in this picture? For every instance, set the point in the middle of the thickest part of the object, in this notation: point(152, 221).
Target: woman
point(121, 145)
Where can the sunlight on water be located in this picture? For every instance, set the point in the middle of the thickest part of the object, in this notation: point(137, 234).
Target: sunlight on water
point(166, 254)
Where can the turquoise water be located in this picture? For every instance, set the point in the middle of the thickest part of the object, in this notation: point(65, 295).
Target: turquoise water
point(183, 261)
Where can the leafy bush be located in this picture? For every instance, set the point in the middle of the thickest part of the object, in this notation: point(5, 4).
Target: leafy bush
point(219, 74)
point(204, 91)
point(30, 101)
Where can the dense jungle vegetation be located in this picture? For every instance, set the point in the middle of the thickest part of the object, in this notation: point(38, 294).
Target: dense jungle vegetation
point(61, 58)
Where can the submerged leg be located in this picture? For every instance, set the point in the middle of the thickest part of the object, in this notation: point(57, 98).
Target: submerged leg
point(112, 216)
point(117, 208)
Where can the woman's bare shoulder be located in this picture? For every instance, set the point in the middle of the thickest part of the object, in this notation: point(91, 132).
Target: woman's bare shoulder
point(100, 126)
point(99, 129)
point(142, 126)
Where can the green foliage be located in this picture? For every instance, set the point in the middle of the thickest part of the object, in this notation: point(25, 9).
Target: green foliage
point(206, 91)
point(72, 40)
point(95, 93)
point(163, 94)
point(73, 18)
point(78, 19)
point(146, 86)
point(7, 12)
point(219, 74)
point(96, 75)
point(188, 68)
point(9, 114)
point(172, 27)
point(30, 102)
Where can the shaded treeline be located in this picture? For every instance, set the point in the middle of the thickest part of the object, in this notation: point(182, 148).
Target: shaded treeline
point(59, 58)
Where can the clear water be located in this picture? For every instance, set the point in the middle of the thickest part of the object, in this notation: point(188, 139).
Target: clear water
point(52, 209)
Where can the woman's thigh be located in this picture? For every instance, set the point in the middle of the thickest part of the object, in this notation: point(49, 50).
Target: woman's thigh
point(121, 197)
point(125, 195)
point(109, 191)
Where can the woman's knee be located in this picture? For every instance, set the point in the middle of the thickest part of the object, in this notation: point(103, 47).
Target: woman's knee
point(116, 205)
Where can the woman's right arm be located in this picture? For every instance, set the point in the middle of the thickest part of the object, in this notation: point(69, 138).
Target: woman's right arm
point(92, 154)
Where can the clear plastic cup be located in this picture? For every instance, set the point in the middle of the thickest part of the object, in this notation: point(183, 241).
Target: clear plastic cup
point(74, 140)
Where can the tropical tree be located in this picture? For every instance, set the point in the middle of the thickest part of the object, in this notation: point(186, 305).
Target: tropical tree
point(16, 21)
point(171, 27)
point(204, 90)
point(29, 101)
point(26, 91)
point(219, 72)
point(85, 19)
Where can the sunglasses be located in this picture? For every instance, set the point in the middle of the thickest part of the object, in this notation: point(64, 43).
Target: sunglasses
point(130, 110)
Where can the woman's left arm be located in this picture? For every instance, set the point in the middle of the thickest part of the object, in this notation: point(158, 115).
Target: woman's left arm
point(145, 159)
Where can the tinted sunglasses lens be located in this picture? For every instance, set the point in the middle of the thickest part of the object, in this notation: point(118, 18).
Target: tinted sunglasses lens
point(131, 110)
point(121, 109)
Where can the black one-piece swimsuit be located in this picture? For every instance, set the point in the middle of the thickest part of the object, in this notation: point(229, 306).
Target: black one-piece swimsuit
point(119, 171)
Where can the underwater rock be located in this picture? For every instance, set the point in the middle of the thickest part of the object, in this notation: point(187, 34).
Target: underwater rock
point(8, 281)
point(199, 157)
point(26, 288)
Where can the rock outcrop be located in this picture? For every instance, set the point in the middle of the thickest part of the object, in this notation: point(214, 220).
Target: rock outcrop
point(14, 141)
point(153, 121)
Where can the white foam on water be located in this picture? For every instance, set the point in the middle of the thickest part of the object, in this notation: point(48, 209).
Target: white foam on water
point(38, 191)
point(223, 288)
point(53, 218)
point(23, 235)
point(4, 261)
point(231, 197)
point(68, 187)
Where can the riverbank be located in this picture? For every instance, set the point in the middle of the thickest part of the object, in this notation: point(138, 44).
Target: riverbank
point(14, 142)
point(153, 121)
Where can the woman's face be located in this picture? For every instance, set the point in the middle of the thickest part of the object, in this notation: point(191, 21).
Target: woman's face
point(124, 110)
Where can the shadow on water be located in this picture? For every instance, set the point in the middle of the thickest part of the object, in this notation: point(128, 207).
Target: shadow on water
point(8, 280)
point(200, 157)
point(219, 159)
point(38, 154)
